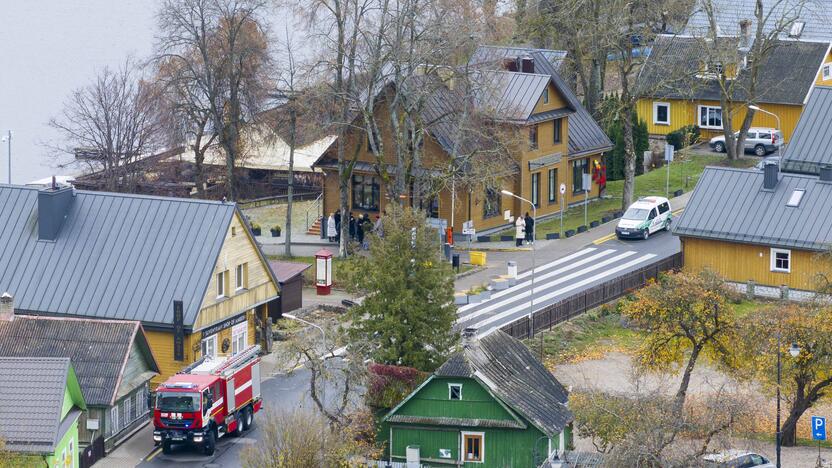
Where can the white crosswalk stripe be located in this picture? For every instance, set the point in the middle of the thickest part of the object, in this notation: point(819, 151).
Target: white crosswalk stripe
point(541, 268)
point(490, 324)
point(543, 283)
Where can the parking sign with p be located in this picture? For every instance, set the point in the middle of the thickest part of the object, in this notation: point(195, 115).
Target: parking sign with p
point(818, 428)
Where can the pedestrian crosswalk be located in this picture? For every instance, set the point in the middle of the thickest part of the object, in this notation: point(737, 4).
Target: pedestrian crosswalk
point(553, 281)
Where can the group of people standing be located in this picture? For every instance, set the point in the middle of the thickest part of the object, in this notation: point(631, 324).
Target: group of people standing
point(358, 229)
point(524, 230)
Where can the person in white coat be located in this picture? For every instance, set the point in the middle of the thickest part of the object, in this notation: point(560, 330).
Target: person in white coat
point(331, 230)
point(520, 234)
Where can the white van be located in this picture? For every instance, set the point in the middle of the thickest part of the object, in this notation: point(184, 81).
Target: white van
point(644, 217)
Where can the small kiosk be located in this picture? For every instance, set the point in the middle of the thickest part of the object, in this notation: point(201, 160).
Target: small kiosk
point(323, 271)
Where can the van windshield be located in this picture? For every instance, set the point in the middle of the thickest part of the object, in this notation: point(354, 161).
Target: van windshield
point(177, 401)
point(636, 213)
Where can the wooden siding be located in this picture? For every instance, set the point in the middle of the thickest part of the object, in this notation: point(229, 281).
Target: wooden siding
point(237, 249)
point(819, 81)
point(432, 401)
point(744, 262)
point(684, 113)
point(556, 101)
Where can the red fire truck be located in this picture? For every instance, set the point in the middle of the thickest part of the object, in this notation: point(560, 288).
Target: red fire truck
point(207, 400)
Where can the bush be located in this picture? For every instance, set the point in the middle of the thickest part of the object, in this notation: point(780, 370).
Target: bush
point(611, 120)
point(390, 384)
point(683, 137)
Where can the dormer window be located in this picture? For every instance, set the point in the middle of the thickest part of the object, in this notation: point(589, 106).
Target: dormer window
point(715, 68)
point(794, 200)
point(797, 29)
point(546, 96)
point(454, 391)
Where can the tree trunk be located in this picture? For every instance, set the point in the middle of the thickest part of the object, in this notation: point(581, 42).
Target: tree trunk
point(681, 394)
point(291, 185)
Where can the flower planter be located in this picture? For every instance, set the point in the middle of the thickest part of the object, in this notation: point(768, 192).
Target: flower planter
point(275, 233)
point(506, 238)
point(593, 224)
point(606, 218)
point(483, 238)
point(570, 232)
point(581, 228)
point(678, 193)
point(255, 231)
point(553, 235)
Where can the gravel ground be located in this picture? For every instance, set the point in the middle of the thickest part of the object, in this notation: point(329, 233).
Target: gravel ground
point(618, 377)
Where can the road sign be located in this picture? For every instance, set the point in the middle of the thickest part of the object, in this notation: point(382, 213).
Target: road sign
point(562, 189)
point(586, 182)
point(467, 225)
point(469, 232)
point(818, 428)
point(668, 153)
point(507, 215)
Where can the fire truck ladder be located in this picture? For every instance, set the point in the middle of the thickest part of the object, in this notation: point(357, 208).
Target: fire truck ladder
point(229, 367)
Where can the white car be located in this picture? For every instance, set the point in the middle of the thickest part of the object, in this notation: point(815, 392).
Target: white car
point(737, 459)
point(759, 140)
point(644, 217)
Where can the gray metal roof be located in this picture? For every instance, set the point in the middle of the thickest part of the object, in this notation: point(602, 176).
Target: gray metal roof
point(811, 143)
point(495, 54)
point(786, 76)
point(510, 96)
point(116, 256)
point(815, 14)
point(99, 349)
point(514, 375)
point(31, 400)
point(730, 204)
point(456, 422)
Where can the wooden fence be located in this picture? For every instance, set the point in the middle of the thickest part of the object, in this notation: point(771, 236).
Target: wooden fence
point(590, 298)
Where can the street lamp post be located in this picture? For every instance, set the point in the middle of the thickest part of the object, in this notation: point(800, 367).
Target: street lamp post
point(758, 109)
point(794, 351)
point(531, 300)
point(8, 139)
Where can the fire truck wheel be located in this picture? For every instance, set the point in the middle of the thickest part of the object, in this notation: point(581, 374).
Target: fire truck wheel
point(248, 419)
point(239, 428)
point(166, 447)
point(208, 443)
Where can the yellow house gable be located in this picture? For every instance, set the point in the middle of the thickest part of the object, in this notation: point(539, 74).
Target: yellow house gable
point(551, 99)
point(240, 279)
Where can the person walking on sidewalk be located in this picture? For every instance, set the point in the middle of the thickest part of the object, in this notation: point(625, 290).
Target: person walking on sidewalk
point(529, 229)
point(520, 226)
point(338, 226)
point(331, 230)
point(352, 227)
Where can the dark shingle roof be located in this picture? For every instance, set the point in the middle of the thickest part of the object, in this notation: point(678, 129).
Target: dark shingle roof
point(31, 400)
point(117, 256)
point(814, 13)
point(731, 205)
point(494, 55)
point(99, 349)
point(811, 143)
point(786, 76)
point(512, 373)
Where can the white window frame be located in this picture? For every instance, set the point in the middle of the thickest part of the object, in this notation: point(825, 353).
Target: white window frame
point(464, 448)
point(239, 332)
point(240, 277)
point(699, 117)
point(656, 106)
point(826, 71)
point(773, 260)
point(203, 346)
point(221, 284)
point(114, 429)
point(546, 96)
point(450, 385)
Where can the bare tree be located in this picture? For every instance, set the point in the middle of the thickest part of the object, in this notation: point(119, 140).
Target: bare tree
point(221, 50)
point(736, 63)
point(113, 122)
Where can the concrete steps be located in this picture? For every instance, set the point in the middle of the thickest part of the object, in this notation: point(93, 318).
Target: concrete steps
point(315, 228)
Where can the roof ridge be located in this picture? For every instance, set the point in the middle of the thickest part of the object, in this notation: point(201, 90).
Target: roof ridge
point(133, 323)
point(127, 195)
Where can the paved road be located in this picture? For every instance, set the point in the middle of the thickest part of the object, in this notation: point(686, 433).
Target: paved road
point(564, 276)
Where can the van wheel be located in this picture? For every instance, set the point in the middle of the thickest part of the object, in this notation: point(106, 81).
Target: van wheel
point(646, 234)
point(719, 147)
point(760, 150)
point(667, 225)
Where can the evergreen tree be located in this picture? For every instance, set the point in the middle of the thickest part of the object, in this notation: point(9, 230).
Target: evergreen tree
point(408, 311)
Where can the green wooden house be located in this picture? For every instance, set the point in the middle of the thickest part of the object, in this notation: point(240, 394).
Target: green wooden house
point(492, 404)
point(40, 403)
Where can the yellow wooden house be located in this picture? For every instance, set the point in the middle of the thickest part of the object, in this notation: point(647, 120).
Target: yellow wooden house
point(188, 270)
point(555, 142)
point(765, 227)
point(677, 84)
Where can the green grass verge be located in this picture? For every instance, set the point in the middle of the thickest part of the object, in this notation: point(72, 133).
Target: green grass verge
point(684, 173)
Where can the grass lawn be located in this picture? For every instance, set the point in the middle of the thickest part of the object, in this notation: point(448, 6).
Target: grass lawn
point(684, 173)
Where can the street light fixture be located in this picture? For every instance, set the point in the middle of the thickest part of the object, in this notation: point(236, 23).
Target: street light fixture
point(531, 300)
point(758, 109)
point(794, 351)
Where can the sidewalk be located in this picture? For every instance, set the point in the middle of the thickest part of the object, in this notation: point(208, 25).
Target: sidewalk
point(498, 253)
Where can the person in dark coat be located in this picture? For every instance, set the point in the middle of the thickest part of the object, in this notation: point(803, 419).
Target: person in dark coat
point(352, 227)
point(529, 229)
point(359, 231)
point(338, 226)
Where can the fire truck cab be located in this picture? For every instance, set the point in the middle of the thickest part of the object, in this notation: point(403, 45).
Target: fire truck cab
point(207, 400)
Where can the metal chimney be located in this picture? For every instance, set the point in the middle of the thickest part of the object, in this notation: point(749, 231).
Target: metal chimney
point(826, 173)
point(770, 173)
point(6, 307)
point(469, 337)
point(527, 64)
point(53, 207)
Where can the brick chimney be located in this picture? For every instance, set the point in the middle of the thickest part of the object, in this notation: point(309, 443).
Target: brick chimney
point(469, 337)
point(6, 307)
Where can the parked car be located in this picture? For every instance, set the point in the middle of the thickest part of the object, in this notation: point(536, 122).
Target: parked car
point(737, 459)
point(759, 140)
point(644, 217)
